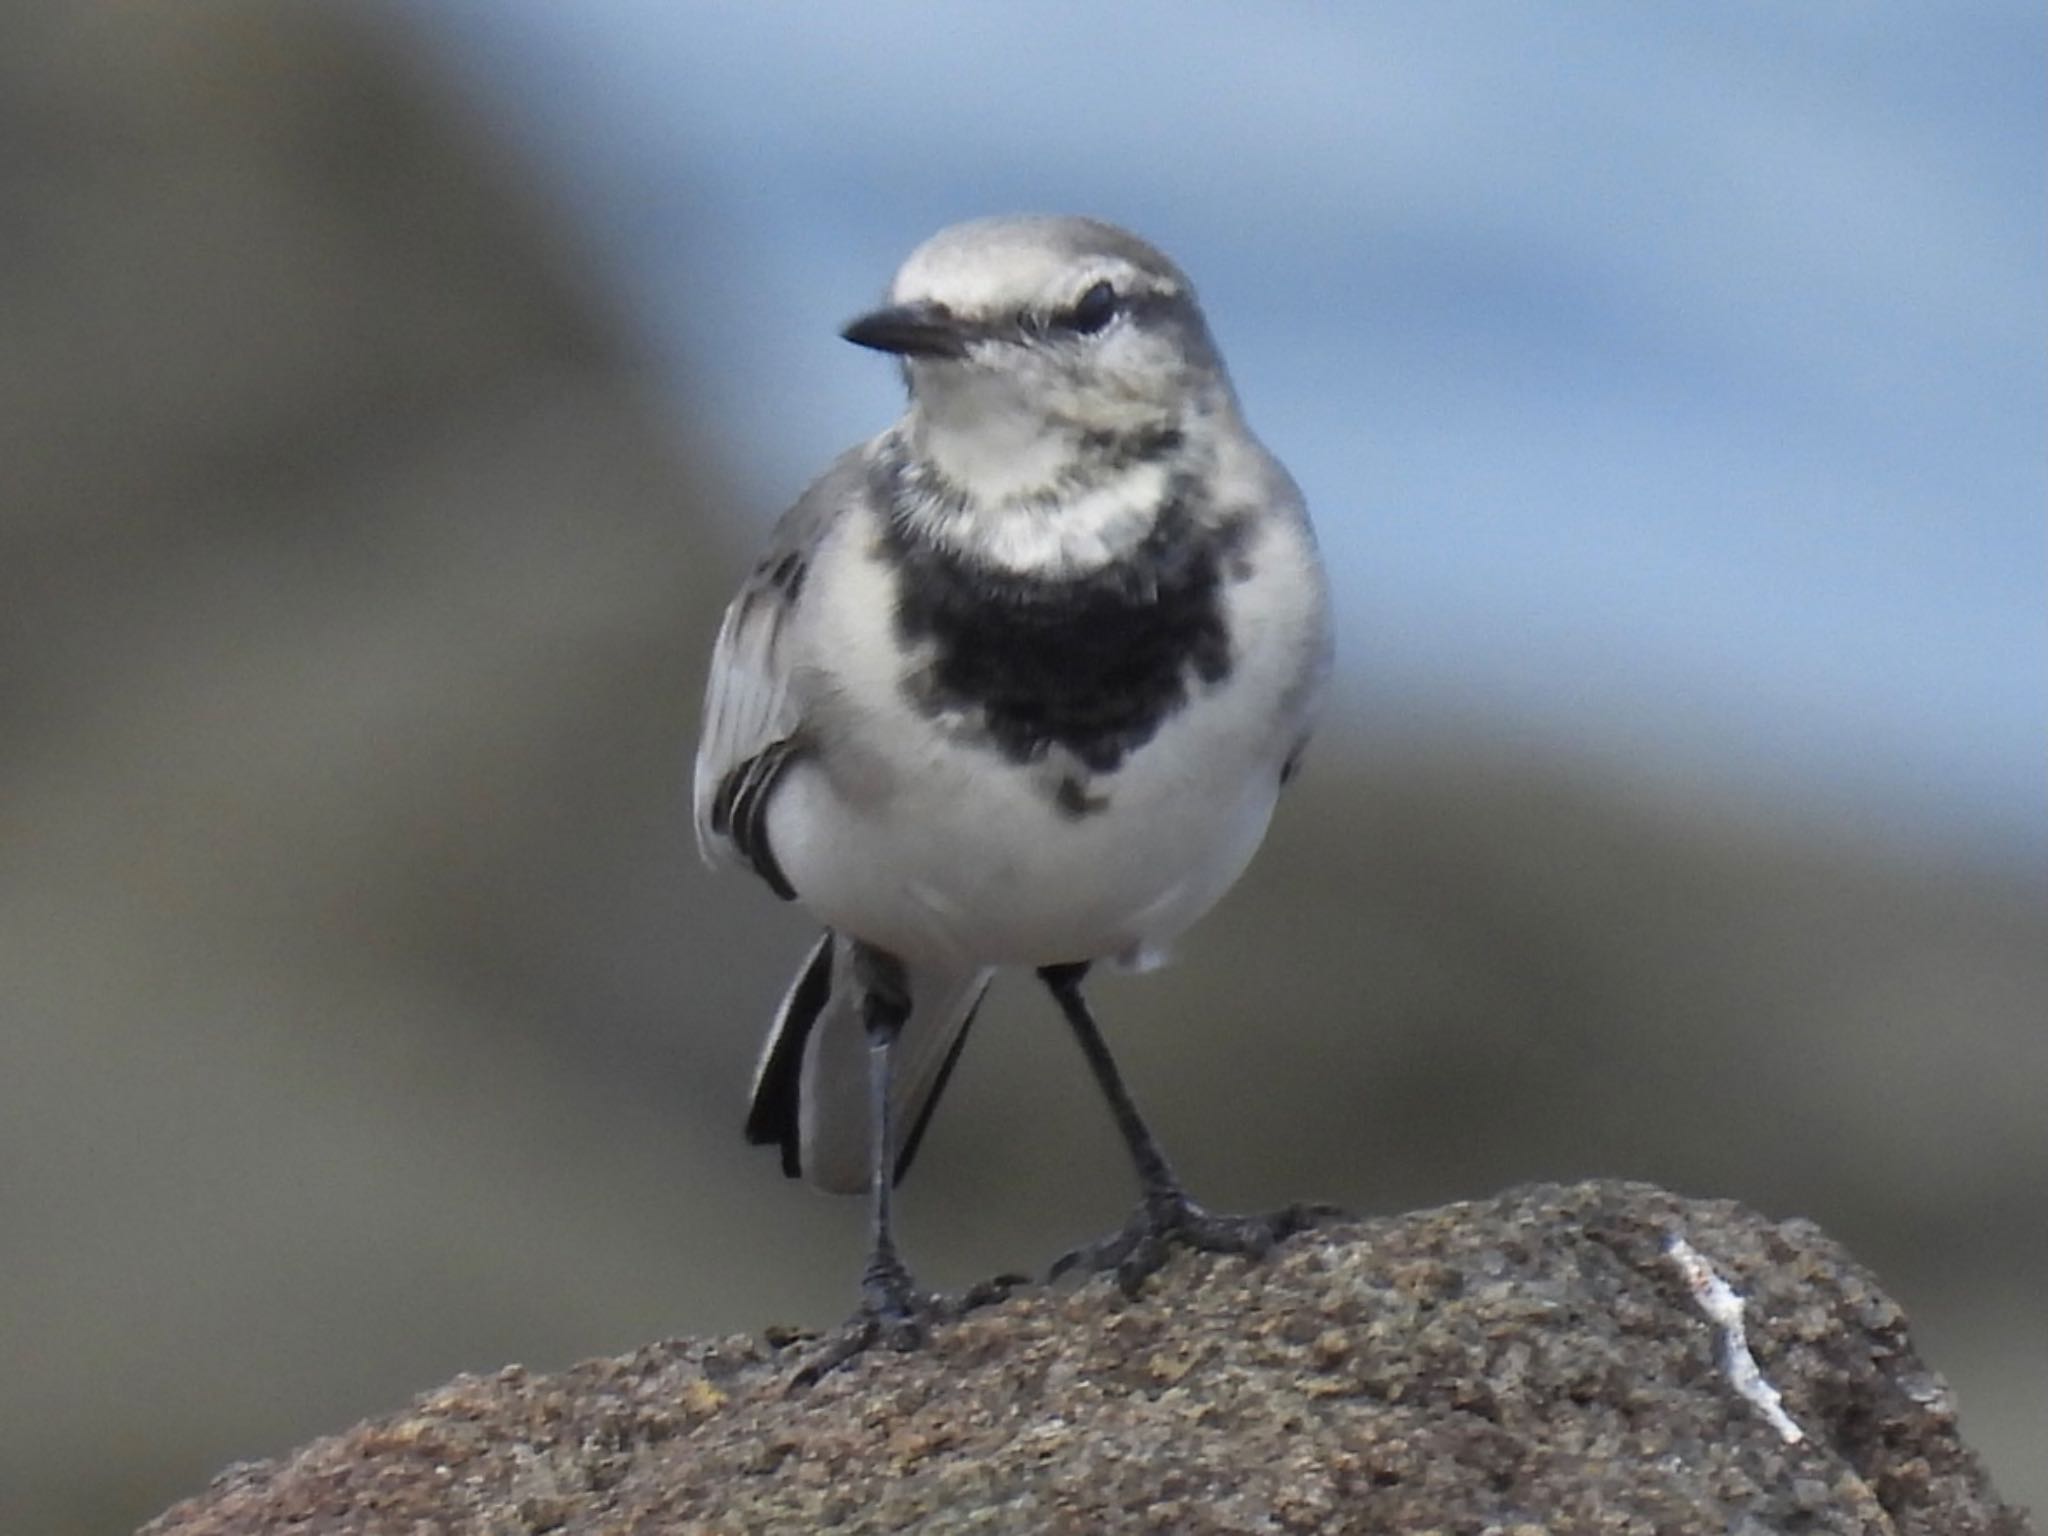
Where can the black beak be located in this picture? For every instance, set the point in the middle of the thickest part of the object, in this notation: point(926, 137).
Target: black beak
point(910, 330)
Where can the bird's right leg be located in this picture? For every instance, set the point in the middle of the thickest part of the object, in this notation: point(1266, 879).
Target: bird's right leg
point(888, 1295)
point(892, 1310)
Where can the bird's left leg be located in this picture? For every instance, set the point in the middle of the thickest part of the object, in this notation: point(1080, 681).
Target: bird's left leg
point(1165, 1215)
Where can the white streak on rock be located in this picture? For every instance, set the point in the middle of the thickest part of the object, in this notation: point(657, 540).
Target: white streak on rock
point(1717, 1299)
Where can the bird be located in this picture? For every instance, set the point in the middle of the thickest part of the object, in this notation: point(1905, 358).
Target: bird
point(1015, 684)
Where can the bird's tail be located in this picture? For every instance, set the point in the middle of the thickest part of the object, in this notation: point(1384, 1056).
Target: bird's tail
point(811, 1088)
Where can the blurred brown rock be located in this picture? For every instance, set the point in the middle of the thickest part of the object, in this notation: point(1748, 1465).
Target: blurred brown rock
point(348, 584)
point(1533, 1363)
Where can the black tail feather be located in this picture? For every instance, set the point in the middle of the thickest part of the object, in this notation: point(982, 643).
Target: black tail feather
point(924, 1115)
point(772, 1116)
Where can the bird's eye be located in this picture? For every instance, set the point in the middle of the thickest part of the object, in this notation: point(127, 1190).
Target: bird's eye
point(1092, 311)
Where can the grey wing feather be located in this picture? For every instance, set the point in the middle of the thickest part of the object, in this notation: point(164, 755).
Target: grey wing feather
point(749, 705)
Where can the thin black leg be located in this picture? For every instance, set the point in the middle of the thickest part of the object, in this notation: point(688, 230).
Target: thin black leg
point(891, 1310)
point(887, 1291)
point(1155, 1173)
point(1165, 1215)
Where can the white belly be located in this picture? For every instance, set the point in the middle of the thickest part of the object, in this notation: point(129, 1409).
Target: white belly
point(969, 859)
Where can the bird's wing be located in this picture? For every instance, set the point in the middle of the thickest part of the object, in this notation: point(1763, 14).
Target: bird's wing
point(753, 724)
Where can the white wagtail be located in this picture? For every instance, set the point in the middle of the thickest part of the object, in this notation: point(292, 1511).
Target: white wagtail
point(1016, 683)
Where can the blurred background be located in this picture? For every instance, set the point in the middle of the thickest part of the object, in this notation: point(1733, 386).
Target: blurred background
point(390, 395)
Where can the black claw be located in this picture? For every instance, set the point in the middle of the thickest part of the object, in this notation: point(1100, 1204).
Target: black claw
point(1306, 1216)
point(856, 1338)
point(1136, 1251)
point(862, 1332)
point(1108, 1253)
point(1139, 1265)
point(987, 1293)
point(894, 1314)
point(891, 1314)
point(902, 1334)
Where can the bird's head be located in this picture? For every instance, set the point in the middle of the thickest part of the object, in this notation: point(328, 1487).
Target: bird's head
point(1027, 342)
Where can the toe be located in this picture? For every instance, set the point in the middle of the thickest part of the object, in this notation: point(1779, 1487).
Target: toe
point(1163, 1223)
point(987, 1293)
point(1092, 1258)
point(1140, 1265)
point(857, 1337)
point(902, 1332)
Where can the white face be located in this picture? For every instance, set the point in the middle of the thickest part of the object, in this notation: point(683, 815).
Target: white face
point(1053, 364)
point(1070, 328)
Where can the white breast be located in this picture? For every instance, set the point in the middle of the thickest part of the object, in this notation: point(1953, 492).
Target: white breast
point(908, 834)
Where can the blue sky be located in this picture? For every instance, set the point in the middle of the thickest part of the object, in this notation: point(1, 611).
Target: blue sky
point(1666, 378)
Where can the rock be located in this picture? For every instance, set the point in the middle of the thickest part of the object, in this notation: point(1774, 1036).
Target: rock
point(1537, 1363)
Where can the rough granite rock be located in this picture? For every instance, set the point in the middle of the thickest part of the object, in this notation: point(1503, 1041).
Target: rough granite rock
point(1531, 1364)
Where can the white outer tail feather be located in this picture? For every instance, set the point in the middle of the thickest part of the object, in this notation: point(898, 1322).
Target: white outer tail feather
point(832, 1082)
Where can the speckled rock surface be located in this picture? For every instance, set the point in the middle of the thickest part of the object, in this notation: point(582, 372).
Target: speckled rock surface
point(1531, 1364)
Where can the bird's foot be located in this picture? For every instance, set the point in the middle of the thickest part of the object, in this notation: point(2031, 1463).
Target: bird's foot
point(894, 1314)
point(1168, 1219)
